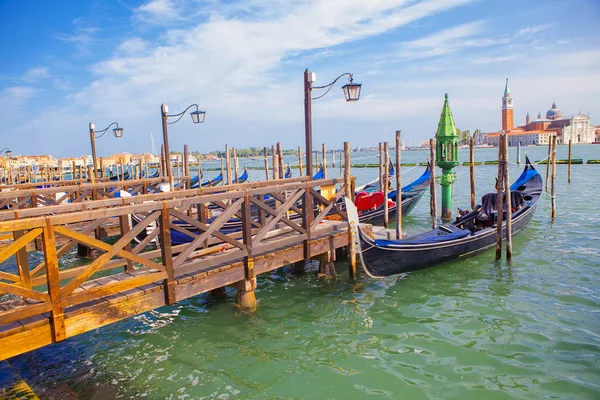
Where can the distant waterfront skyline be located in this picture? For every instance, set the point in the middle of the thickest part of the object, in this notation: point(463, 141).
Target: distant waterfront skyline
point(66, 64)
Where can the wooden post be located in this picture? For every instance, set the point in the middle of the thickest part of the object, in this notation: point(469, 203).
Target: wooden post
point(432, 199)
point(499, 205)
point(162, 161)
point(57, 315)
point(300, 161)
point(324, 151)
point(245, 291)
point(280, 158)
point(102, 167)
point(380, 166)
point(386, 166)
point(266, 159)
point(186, 165)
point(332, 159)
point(222, 171)
point(398, 187)
point(548, 162)
point(349, 194)
point(235, 166)
point(508, 203)
point(552, 193)
point(73, 176)
point(167, 254)
point(274, 162)
point(199, 172)
point(569, 169)
point(276, 166)
point(472, 169)
point(228, 164)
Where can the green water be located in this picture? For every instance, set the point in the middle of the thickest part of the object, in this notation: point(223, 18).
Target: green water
point(471, 329)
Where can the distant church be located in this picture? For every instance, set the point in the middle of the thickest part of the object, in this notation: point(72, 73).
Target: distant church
point(576, 128)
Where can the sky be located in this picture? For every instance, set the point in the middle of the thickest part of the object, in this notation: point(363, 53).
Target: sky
point(66, 63)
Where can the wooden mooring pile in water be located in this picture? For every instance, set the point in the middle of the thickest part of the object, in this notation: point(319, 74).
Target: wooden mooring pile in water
point(234, 233)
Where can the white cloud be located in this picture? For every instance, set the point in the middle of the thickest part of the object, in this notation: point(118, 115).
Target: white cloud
point(159, 12)
point(131, 46)
point(81, 39)
point(530, 30)
point(35, 74)
point(490, 60)
point(451, 40)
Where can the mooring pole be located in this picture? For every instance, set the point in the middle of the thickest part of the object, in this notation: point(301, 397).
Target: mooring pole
point(280, 155)
point(324, 151)
point(275, 164)
point(499, 205)
point(508, 203)
point(222, 171)
point(300, 160)
point(380, 166)
point(235, 166)
point(348, 192)
point(386, 166)
point(548, 163)
point(228, 164)
point(398, 187)
point(432, 198)
point(552, 193)
point(569, 169)
point(186, 165)
point(472, 170)
point(518, 152)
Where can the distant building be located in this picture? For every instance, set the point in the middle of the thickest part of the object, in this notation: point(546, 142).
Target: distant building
point(576, 128)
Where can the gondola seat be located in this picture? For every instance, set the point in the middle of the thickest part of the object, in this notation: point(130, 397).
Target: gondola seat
point(488, 210)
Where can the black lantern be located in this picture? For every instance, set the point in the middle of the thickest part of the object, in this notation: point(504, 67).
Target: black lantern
point(352, 91)
point(198, 116)
point(118, 132)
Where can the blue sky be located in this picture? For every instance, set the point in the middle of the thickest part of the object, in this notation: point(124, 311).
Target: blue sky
point(65, 63)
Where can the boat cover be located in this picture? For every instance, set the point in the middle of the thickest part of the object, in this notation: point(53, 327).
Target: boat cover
point(441, 234)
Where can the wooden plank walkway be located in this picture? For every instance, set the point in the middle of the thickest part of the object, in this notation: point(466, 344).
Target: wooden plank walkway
point(280, 222)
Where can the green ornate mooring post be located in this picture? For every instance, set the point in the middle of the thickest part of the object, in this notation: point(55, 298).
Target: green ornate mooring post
point(446, 158)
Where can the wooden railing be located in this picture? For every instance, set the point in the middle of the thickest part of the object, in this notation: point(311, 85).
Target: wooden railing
point(269, 215)
point(43, 197)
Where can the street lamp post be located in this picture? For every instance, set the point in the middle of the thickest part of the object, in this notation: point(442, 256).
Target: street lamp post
point(197, 117)
point(7, 151)
point(351, 93)
point(118, 132)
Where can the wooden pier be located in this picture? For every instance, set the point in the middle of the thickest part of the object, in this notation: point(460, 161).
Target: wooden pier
point(279, 222)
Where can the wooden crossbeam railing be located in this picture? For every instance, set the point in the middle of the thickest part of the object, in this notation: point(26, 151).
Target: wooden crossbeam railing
point(295, 207)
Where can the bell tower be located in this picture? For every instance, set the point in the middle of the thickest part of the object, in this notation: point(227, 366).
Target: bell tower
point(507, 109)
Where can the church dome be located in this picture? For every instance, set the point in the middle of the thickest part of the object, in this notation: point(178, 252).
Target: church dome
point(553, 113)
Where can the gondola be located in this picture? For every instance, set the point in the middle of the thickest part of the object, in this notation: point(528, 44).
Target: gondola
point(242, 178)
point(470, 234)
point(126, 176)
point(288, 172)
point(411, 194)
point(374, 185)
point(320, 174)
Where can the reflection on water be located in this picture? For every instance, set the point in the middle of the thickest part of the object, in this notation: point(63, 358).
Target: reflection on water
point(474, 328)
